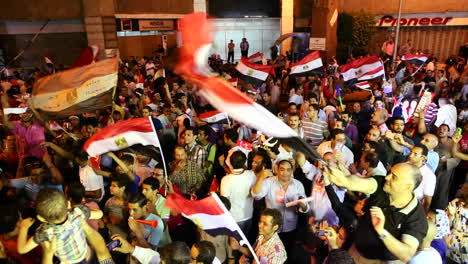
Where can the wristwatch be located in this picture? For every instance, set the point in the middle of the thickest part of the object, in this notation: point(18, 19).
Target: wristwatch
point(383, 235)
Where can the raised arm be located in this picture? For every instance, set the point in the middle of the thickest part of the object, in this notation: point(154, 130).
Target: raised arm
point(343, 178)
point(122, 165)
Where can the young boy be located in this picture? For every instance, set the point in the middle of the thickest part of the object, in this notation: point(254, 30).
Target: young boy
point(60, 224)
point(115, 207)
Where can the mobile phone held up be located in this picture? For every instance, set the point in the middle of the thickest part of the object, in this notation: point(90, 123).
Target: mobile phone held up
point(113, 244)
point(321, 233)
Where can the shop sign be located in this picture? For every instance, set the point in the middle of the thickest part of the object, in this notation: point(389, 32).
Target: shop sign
point(155, 25)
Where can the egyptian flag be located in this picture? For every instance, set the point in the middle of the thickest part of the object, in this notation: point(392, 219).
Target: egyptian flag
point(213, 116)
point(122, 135)
point(310, 64)
point(197, 38)
point(367, 68)
point(253, 73)
point(363, 85)
point(87, 57)
point(208, 214)
point(256, 58)
point(76, 91)
point(415, 59)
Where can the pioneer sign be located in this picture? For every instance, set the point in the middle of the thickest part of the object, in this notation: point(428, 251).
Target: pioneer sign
point(424, 20)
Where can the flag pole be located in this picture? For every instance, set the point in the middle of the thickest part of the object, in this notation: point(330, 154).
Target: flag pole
point(418, 69)
point(244, 240)
point(160, 149)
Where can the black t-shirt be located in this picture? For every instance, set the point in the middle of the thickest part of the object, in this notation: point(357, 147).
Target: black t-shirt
point(410, 220)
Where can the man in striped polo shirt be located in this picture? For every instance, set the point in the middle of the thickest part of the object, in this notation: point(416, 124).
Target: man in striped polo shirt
point(315, 129)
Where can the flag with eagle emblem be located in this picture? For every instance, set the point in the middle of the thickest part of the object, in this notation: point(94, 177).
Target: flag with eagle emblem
point(122, 135)
point(367, 68)
point(310, 64)
point(253, 73)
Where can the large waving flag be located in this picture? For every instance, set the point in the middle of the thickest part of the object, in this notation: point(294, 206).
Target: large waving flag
point(310, 64)
point(416, 59)
point(367, 68)
point(253, 73)
point(76, 91)
point(197, 38)
point(210, 215)
point(122, 135)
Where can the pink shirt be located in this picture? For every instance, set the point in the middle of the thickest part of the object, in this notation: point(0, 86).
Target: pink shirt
point(30, 138)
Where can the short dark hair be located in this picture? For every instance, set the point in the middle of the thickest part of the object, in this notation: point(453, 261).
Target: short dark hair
point(238, 159)
point(120, 179)
point(82, 155)
point(175, 253)
point(342, 121)
point(193, 129)
point(75, 192)
point(292, 104)
point(398, 118)
point(266, 161)
point(372, 158)
point(127, 159)
point(139, 199)
point(445, 126)
point(206, 252)
point(231, 134)
point(148, 108)
point(153, 182)
point(336, 132)
point(9, 218)
point(51, 205)
point(275, 214)
point(425, 150)
point(206, 129)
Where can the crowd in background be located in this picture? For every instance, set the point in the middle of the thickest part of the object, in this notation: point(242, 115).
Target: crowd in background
point(394, 189)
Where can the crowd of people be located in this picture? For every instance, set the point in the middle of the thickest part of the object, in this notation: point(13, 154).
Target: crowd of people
point(392, 188)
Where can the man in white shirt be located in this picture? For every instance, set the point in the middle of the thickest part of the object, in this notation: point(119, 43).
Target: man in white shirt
point(425, 190)
point(93, 183)
point(297, 97)
point(236, 187)
point(447, 115)
point(337, 146)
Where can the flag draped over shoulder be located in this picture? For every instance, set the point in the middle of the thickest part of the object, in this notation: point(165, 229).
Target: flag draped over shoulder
point(310, 64)
point(367, 68)
point(122, 135)
point(253, 73)
point(416, 59)
point(80, 90)
point(197, 38)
